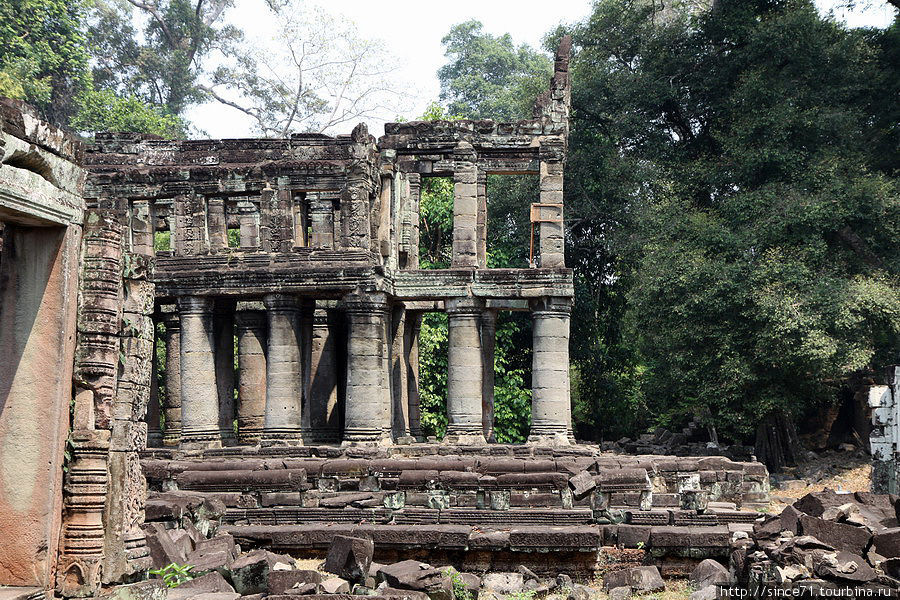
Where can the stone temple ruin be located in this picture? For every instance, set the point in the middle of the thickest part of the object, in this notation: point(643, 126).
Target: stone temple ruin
point(288, 300)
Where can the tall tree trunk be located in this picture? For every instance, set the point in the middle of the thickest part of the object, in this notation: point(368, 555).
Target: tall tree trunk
point(777, 444)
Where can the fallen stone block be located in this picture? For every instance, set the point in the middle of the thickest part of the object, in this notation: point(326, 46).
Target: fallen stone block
point(214, 553)
point(211, 586)
point(709, 572)
point(303, 589)
point(839, 535)
point(163, 549)
point(151, 589)
point(620, 593)
point(845, 566)
point(582, 484)
point(398, 594)
point(210, 582)
point(282, 580)
point(350, 557)
point(503, 583)
point(887, 542)
point(250, 572)
point(709, 592)
point(640, 579)
point(583, 592)
point(422, 577)
point(335, 585)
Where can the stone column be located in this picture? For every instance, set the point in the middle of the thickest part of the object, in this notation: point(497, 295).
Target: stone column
point(481, 229)
point(366, 375)
point(284, 384)
point(552, 241)
point(251, 410)
point(142, 228)
point(465, 207)
point(199, 393)
point(550, 411)
point(323, 396)
point(321, 216)
point(223, 329)
point(413, 324)
point(215, 221)
point(488, 342)
point(307, 312)
point(399, 374)
point(415, 192)
point(464, 372)
point(248, 217)
point(154, 410)
point(172, 407)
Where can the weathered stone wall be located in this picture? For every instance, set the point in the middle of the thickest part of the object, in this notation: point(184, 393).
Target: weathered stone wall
point(884, 400)
point(41, 211)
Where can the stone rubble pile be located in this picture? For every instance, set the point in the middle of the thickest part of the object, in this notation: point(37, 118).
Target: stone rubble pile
point(824, 540)
point(223, 572)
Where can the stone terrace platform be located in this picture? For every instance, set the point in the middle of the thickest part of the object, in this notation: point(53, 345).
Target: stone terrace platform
point(477, 507)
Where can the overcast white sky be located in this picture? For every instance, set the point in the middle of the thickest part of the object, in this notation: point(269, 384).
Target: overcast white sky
point(412, 31)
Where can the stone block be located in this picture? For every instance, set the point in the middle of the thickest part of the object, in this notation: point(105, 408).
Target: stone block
point(280, 580)
point(335, 585)
point(151, 589)
point(838, 535)
point(887, 542)
point(709, 572)
point(641, 579)
point(350, 557)
point(503, 583)
point(163, 549)
point(582, 484)
point(250, 572)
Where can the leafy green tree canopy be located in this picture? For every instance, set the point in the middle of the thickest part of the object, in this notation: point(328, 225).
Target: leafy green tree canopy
point(488, 77)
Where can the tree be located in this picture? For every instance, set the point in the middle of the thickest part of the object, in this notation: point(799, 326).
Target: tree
point(316, 73)
point(488, 77)
point(723, 160)
point(104, 111)
point(165, 65)
point(43, 58)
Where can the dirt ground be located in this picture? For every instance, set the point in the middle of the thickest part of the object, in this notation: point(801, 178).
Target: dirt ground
point(842, 471)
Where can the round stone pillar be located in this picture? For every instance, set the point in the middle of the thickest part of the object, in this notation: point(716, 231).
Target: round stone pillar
point(223, 331)
point(367, 376)
point(251, 411)
point(171, 407)
point(413, 326)
point(199, 393)
point(465, 371)
point(284, 385)
point(550, 410)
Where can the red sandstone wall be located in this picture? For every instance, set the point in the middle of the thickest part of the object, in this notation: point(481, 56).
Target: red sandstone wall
point(38, 288)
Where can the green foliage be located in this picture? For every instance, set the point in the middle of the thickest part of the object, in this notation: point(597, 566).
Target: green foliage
point(43, 58)
point(732, 224)
point(433, 373)
point(174, 574)
point(460, 592)
point(160, 65)
point(104, 111)
point(488, 77)
point(436, 223)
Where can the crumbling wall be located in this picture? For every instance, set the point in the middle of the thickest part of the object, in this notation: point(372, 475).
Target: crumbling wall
point(885, 439)
point(104, 508)
point(41, 210)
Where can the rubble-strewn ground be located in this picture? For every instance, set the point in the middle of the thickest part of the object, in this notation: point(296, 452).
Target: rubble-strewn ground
point(842, 471)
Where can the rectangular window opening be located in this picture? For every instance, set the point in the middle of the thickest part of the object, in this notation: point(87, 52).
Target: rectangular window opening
point(508, 226)
point(436, 223)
